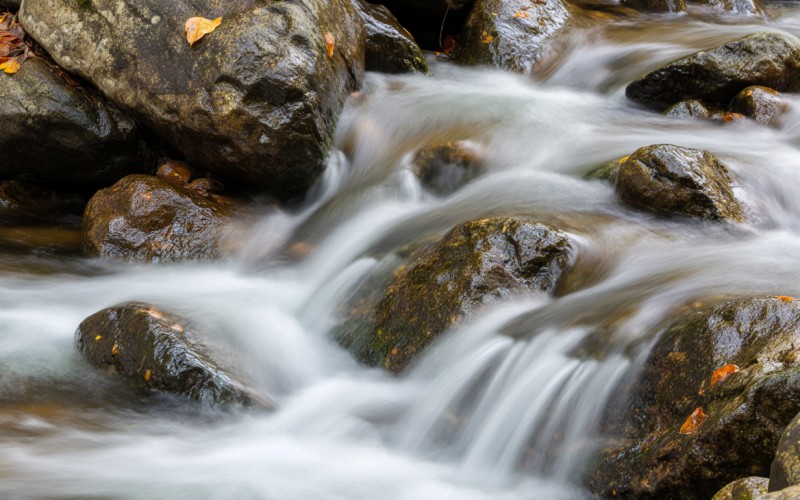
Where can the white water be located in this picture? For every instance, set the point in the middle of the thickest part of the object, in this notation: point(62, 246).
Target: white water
point(505, 407)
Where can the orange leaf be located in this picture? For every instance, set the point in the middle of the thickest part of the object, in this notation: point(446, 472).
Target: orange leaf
point(147, 376)
point(720, 374)
point(486, 37)
point(198, 27)
point(785, 298)
point(732, 117)
point(330, 42)
point(11, 66)
point(693, 422)
point(523, 15)
point(114, 350)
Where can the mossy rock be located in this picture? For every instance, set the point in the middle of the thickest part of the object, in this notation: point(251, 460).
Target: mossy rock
point(748, 488)
point(156, 351)
point(746, 413)
point(475, 264)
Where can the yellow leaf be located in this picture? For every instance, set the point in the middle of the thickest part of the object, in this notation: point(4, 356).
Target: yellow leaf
point(147, 376)
point(11, 66)
point(521, 14)
point(98, 338)
point(198, 27)
point(720, 374)
point(330, 42)
point(785, 298)
point(693, 422)
point(115, 350)
point(486, 37)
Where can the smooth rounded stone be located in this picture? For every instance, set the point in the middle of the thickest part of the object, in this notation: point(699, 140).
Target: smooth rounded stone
point(476, 263)
point(694, 108)
point(656, 5)
point(255, 102)
point(790, 493)
point(390, 47)
point(674, 180)
point(785, 469)
point(762, 104)
point(746, 413)
point(156, 351)
point(56, 133)
point(443, 168)
point(27, 199)
point(748, 488)
point(717, 75)
point(148, 219)
point(511, 34)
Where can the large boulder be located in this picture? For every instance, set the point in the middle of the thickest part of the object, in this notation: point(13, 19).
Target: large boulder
point(511, 34)
point(748, 488)
point(660, 455)
point(255, 101)
point(675, 180)
point(785, 469)
point(156, 351)
point(717, 75)
point(56, 132)
point(474, 264)
point(390, 47)
point(149, 219)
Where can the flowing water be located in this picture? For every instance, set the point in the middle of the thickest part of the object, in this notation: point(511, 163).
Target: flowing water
point(505, 407)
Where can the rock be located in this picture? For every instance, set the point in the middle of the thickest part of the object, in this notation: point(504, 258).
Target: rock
point(474, 264)
point(390, 47)
point(25, 199)
point(746, 412)
point(156, 351)
point(56, 133)
point(206, 186)
point(175, 172)
point(785, 469)
point(427, 19)
point(444, 168)
point(656, 5)
point(10, 4)
point(745, 7)
point(717, 75)
point(762, 104)
point(693, 108)
point(510, 34)
point(148, 219)
point(675, 180)
point(256, 101)
point(749, 488)
point(790, 493)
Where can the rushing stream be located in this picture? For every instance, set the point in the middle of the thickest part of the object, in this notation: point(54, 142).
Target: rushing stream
point(508, 406)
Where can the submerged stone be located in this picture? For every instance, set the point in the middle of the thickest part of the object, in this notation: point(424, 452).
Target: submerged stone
point(443, 168)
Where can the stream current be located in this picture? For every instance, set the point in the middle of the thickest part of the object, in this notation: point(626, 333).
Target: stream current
point(500, 408)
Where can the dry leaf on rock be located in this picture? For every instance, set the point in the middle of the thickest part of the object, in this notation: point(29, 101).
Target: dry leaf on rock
point(693, 422)
point(720, 374)
point(198, 27)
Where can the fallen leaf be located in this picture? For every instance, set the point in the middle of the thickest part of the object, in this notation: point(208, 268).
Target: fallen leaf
point(330, 42)
point(486, 37)
point(11, 66)
point(115, 350)
point(785, 298)
point(693, 422)
point(449, 45)
point(732, 117)
point(720, 374)
point(521, 14)
point(147, 376)
point(98, 338)
point(198, 27)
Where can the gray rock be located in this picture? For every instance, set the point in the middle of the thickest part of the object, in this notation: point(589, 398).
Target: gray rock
point(256, 101)
point(56, 133)
point(390, 47)
point(717, 75)
point(675, 180)
point(696, 109)
point(762, 104)
point(745, 7)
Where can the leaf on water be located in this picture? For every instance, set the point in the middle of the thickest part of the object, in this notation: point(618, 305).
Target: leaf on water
point(147, 376)
point(693, 422)
point(198, 27)
point(720, 374)
point(11, 66)
point(486, 37)
point(330, 43)
point(785, 298)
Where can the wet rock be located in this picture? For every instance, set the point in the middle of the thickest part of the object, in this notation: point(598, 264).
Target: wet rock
point(145, 218)
point(156, 351)
point(56, 133)
point(762, 104)
point(717, 75)
point(656, 5)
point(790, 493)
point(175, 172)
point(426, 19)
point(511, 34)
point(693, 108)
point(474, 264)
point(29, 200)
point(256, 101)
point(675, 180)
point(444, 168)
point(206, 186)
point(390, 47)
point(785, 469)
point(745, 7)
point(747, 412)
point(749, 488)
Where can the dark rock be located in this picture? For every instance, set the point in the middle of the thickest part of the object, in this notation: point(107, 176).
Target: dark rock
point(444, 168)
point(656, 5)
point(511, 34)
point(390, 47)
point(762, 104)
point(145, 218)
point(675, 180)
point(56, 133)
point(10, 4)
point(430, 20)
point(27, 199)
point(747, 412)
point(256, 101)
point(696, 109)
point(156, 351)
point(474, 264)
point(749, 488)
point(607, 171)
point(717, 75)
point(785, 470)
